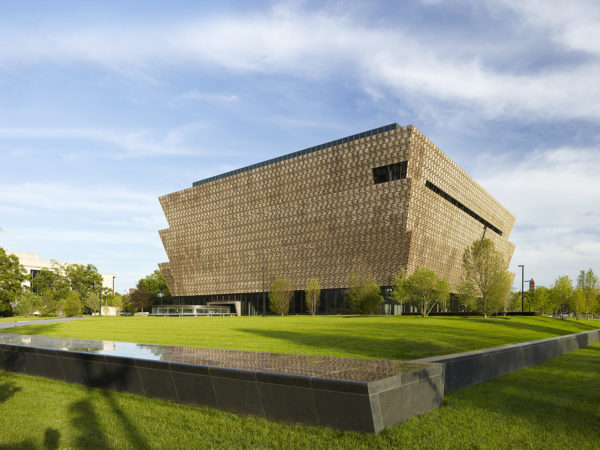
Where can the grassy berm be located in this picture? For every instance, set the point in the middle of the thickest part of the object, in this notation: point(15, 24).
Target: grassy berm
point(387, 337)
point(555, 405)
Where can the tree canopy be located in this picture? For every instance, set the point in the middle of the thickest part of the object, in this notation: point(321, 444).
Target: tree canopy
point(426, 289)
point(364, 294)
point(12, 275)
point(280, 295)
point(484, 276)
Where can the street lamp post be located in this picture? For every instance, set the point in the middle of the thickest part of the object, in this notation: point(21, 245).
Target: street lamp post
point(100, 302)
point(263, 291)
point(522, 287)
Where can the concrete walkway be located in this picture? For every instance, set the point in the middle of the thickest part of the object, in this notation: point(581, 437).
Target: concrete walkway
point(23, 323)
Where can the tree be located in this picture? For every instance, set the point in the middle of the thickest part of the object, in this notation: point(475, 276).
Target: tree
point(12, 275)
point(115, 300)
point(72, 305)
point(560, 293)
point(500, 292)
point(50, 280)
point(589, 285)
point(84, 280)
point(313, 295)
point(91, 303)
point(540, 299)
point(141, 297)
point(399, 294)
point(364, 294)
point(577, 302)
point(280, 295)
point(156, 287)
point(425, 288)
point(28, 302)
point(484, 276)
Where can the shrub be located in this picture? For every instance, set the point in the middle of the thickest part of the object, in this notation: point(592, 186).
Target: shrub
point(280, 295)
point(364, 294)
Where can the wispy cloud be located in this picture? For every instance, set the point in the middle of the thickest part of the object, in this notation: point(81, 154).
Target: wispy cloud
point(323, 44)
point(554, 196)
point(121, 143)
point(206, 96)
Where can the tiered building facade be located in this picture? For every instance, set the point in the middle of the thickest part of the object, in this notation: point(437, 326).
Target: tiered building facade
point(369, 203)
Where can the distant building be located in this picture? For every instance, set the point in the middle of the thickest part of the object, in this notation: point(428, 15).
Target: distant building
point(374, 202)
point(33, 264)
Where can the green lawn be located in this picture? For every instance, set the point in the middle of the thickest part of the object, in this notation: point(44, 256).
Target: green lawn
point(20, 318)
point(555, 405)
point(388, 337)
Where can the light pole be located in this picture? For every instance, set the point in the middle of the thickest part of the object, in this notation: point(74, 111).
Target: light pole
point(264, 307)
point(100, 302)
point(522, 286)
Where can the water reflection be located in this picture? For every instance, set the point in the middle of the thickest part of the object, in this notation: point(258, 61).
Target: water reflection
point(355, 369)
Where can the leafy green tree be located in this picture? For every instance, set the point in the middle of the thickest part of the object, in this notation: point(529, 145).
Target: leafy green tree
point(28, 303)
point(589, 285)
point(84, 280)
point(141, 298)
point(577, 302)
point(364, 294)
point(280, 295)
point(115, 300)
point(50, 280)
point(313, 295)
point(155, 285)
point(399, 294)
point(91, 303)
point(426, 289)
point(484, 275)
point(540, 300)
point(72, 305)
point(50, 305)
point(560, 293)
point(128, 303)
point(12, 275)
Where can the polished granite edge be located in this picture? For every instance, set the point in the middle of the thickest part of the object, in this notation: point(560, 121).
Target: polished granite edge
point(468, 368)
point(322, 372)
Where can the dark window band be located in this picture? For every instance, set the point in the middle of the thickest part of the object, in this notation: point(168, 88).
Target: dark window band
point(459, 205)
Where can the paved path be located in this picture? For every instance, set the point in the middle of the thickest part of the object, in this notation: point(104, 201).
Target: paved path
point(22, 323)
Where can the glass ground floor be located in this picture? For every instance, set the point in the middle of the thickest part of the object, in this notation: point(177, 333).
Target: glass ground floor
point(333, 301)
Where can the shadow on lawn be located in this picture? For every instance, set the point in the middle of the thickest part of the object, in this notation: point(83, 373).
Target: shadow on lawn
point(8, 389)
point(85, 419)
point(362, 346)
point(542, 328)
point(553, 393)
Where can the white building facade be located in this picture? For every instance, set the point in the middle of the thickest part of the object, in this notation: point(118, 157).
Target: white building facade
point(33, 264)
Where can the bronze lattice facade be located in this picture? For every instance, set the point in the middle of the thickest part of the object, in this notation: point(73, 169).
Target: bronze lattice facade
point(370, 203)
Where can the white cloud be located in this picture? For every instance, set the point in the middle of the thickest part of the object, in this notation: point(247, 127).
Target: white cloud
point(122, 143)
point(573, 25)
point(554, 196)
point(290, 41)
point(194, 94)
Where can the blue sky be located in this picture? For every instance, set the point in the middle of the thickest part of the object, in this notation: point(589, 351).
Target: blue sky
point(105, 106)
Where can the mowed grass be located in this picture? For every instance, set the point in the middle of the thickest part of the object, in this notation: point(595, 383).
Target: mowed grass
point(555, 405)
point(387, 337)
point(21, 318)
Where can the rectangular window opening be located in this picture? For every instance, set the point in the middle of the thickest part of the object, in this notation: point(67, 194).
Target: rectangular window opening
point(390, 172)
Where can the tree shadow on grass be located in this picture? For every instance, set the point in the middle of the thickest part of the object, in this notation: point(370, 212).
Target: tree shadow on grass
point(358, 345)
point(561, 393)
point(542, 328)
point(85, 419)
point(51, 442)
point(8, 389)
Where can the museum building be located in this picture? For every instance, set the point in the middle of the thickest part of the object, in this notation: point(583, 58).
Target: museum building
point(370, 203)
